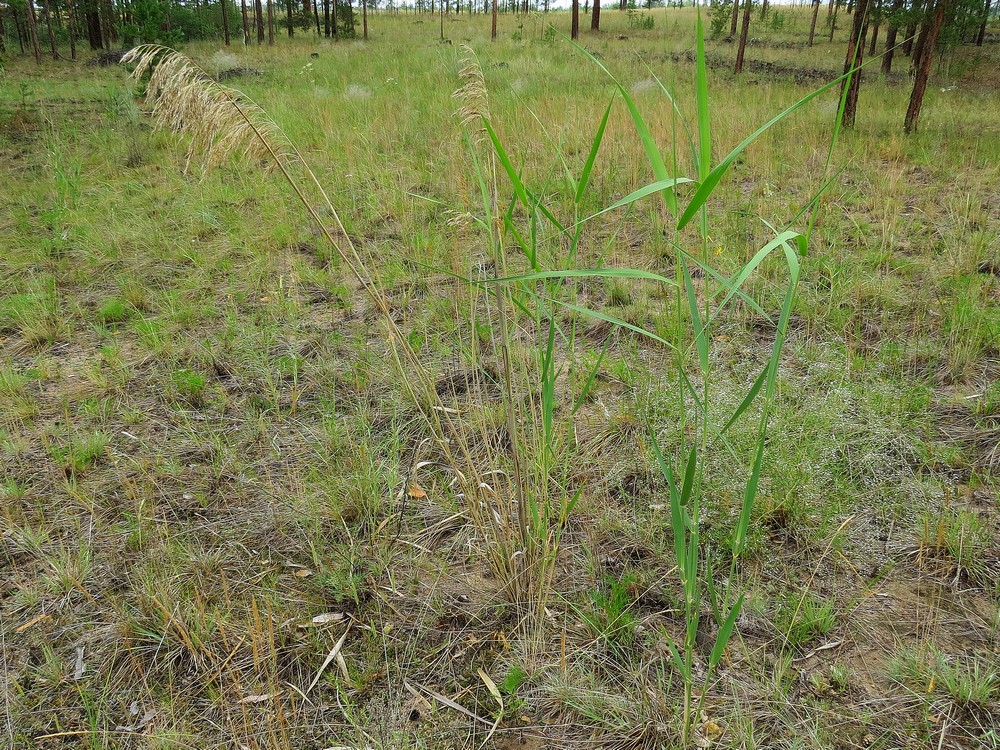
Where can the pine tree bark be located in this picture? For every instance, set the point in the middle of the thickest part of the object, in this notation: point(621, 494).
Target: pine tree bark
point(225, 21)
point(270, 22)
point(595, 18)
point(493, 33)
point(574, 32)
point(33, 31)
point(918, 49)
point(982, 27)
point(890, 38)
point(744, 31)
point(107, 25)
point(48, 26)
point(855, 56)
point(364, 17)
point(289, 11)
point(924, 69)
point(259, 20)
point(21, 34)
point(734, 21)
point(3, 35)
point(812, 26)
point(246, 23)
point(93, 24)
point(333, 13)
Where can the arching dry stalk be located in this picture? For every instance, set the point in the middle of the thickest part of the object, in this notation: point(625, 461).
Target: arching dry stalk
point(223, 122)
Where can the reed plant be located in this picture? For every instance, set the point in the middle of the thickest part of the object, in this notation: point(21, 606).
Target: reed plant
point(527, 305)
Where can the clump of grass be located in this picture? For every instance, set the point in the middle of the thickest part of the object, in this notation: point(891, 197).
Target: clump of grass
point(968, 681)
point(802, 619)
point(113, 311)
point(189, 386)
point(957, 537)
point(609, 616)
point(81, 452)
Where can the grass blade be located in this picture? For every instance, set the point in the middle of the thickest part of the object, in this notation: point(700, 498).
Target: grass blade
point(725, 632)
point(594, 148)
point(709, 184)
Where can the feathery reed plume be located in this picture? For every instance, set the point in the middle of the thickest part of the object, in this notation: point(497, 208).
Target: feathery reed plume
point(472, 97)
point(220, 121)
point(223, 122)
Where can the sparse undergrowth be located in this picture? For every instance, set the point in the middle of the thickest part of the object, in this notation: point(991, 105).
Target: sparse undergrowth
point(211, 476)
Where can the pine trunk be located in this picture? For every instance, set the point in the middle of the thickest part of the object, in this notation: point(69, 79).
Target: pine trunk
point(735, 20)
point(48, 26)
point(270, 22)
point(259, 19)
point(574, 32)
point(924, 69)
point(225, 21)
point(33, 31)
point(744, 31)
point(918, 48)
point(290, 12)
point(246, 23)
point(595, 19)
point(812, 27)
point(493, 33)
point(982, 27)
point(855, 56)
point(364, 17)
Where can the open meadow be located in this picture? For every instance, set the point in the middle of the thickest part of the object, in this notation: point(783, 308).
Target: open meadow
point(497, 433)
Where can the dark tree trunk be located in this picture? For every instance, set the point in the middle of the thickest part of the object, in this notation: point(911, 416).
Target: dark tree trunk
point(812, 27)
point(493, 33)
point(246, 23)
point(259, 18)
point(595, 18)
point(21, 34)
point(924, 70)
point(874, 41)
point(33, 31)
point(270, 22)
point(982, 27)
point(3, 35)
point(93, 25)
point(890, 38)
point(316, 16)
point(290, 12)
point(744, 30)
point(911, 32)
point(918, 49)
point(48, 26)
point(333, 14)
point(326, 18)
point(108, 30)
point(855, 56)
point(734, 21)
point(225, 21)
point(833, 19)
point(574, 31)
point(364, 18)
